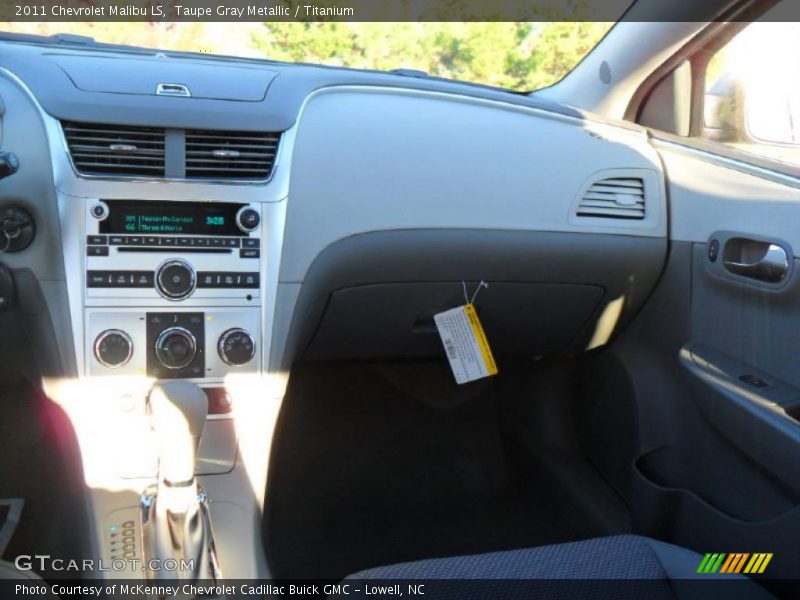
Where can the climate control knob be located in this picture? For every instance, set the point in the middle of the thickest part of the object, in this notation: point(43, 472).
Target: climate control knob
point(236, 347)
point(113, 348)
point(175, 280)
point(176, 347)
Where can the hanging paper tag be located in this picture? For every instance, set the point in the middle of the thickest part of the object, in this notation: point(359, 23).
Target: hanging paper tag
point(465, 343)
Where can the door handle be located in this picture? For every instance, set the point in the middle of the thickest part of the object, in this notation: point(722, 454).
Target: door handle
point(771, 267)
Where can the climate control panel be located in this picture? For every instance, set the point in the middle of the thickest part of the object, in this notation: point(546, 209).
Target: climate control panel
point(177, 344)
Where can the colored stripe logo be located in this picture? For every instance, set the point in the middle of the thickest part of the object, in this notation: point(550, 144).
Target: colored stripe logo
point(735, 562)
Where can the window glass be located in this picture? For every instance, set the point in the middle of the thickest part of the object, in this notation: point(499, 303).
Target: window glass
point(519, 56)
point(752, 92)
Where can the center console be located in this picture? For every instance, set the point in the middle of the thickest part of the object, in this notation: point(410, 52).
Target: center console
point(159, 280)
point(172, 288)
point(172, 292)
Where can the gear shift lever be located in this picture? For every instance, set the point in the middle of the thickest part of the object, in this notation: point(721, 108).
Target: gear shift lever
point(178, 410)
point(175, 520)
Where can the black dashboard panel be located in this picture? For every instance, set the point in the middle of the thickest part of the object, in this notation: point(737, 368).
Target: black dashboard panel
point(547, 291)
point(188, 218)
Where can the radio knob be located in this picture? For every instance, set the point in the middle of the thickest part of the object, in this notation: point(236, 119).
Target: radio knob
point(248, 219)
point(175, 280)
point(176, 347)
point(100, 211)
point(113, 348)
point(236, 347)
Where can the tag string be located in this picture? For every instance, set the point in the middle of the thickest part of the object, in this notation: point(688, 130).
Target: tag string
point(467, 299)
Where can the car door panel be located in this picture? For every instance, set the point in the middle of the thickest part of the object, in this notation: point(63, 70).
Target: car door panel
point(712, 361)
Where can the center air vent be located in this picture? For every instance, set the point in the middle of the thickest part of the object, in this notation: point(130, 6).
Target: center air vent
point(614, 198)
point(230, 154)
point(119, 150)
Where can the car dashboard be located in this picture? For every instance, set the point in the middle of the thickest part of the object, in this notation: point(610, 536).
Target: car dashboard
point(217, 221)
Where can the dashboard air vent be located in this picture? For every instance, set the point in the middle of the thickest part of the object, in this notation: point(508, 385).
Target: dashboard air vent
point(116, 150)
point(614, 198)
point(230, 154)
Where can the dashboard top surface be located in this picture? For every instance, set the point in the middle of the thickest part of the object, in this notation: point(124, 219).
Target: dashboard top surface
point(95, 86)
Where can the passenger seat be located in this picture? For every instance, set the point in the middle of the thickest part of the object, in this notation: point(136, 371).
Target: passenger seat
point(624, 561)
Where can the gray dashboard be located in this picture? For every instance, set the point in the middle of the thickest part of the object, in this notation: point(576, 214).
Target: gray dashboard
point(365, 156)
point(67, 83)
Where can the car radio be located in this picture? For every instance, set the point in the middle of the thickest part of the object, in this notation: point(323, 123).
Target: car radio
point(172, 249)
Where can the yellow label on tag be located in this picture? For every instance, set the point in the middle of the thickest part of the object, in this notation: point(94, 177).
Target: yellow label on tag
point(480, 338)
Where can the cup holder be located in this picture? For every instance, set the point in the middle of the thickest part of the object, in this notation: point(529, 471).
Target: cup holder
point(739, 491)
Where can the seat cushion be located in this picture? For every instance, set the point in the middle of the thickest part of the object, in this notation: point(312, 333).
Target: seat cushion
point(622, 566)
point(616, 557)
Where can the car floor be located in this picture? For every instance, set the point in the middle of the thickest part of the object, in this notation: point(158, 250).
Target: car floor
point(378, 463)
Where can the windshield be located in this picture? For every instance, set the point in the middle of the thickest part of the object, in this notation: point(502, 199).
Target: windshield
point(517, 56)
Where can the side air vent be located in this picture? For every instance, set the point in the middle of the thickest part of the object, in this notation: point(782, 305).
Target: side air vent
point(117, 150)
point(614, 198)
point(230, 154)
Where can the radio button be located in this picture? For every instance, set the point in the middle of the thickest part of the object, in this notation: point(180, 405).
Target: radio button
point(248, 280)
point(151, 241)
point(207, 280)
point(135, 240)
point(251, 243)
point(97, 279)
point(184, 241)
point(143, 279)
point(116, 240)
point(96, 250)
point(232, 242)
point(167, 241)
point(97, 240)
point(175, 280)
point(216, 242)
point(249, 253)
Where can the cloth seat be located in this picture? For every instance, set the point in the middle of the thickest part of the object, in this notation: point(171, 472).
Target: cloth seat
point(622, 566)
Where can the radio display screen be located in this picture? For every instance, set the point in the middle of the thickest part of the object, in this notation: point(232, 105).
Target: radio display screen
point(171, 218)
